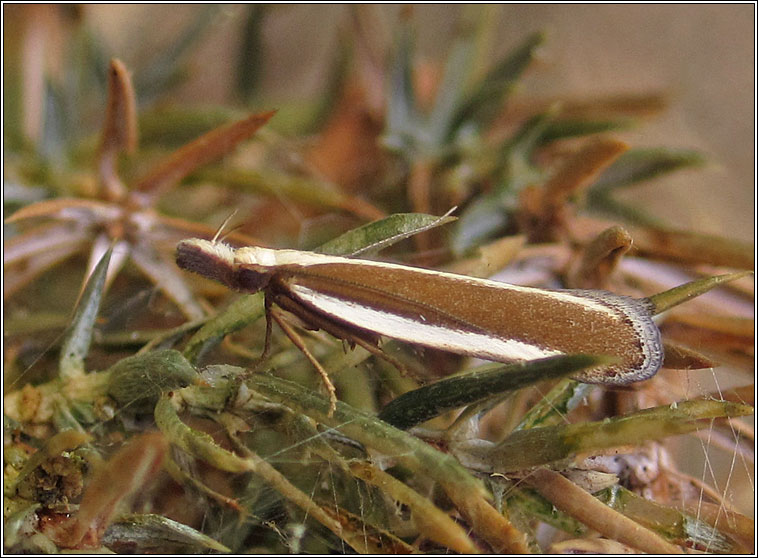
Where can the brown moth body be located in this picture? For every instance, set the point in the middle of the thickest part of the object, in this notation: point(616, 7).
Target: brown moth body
point(476, 317)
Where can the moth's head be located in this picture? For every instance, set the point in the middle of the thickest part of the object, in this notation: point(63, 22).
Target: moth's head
point(214, 260)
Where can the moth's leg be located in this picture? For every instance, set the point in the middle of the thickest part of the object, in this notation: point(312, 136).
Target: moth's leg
point(378, 352)
point(257, 362)
point(300, 344)
point(272, 314)
point(267, 308)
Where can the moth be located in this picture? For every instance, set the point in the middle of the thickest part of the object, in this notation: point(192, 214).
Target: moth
point(363, 300)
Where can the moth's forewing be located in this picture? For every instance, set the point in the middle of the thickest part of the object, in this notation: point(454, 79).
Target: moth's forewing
point(481, 318)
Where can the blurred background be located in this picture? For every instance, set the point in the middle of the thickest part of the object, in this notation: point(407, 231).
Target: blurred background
point(701, 57)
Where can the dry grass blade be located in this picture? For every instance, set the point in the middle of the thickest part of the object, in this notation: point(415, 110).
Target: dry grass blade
point(167, 278)
point(693, 248)
point(727, 325)
point(202, 445)
point(489, 258)
point(44, 239)
point(119, 130)
point(581, 169)
point(428, 518)
point(632, 104)
point(127, 472)
point(600, 258)
point(207, 148)
point(360, 207)
point(419, 186)
point(569, 498)
point(367, 539)
point(420, 197)
point(725, 345)
point(629, 104)
point(183, 477)
point(462, 488)
point(68, 209)
point(679, 357)
point(487, 522)
point(724, 334)
point(302, 500)
point(542, 207)
point(740, 527)
point(36, 263)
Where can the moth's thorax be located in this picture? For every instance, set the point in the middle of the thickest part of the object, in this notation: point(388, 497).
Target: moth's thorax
point(255, 255)
point(254, 266)
point(267, 257)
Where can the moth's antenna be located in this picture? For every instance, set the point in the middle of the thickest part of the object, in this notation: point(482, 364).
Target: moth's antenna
point(223, 225)
point(230, 231)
